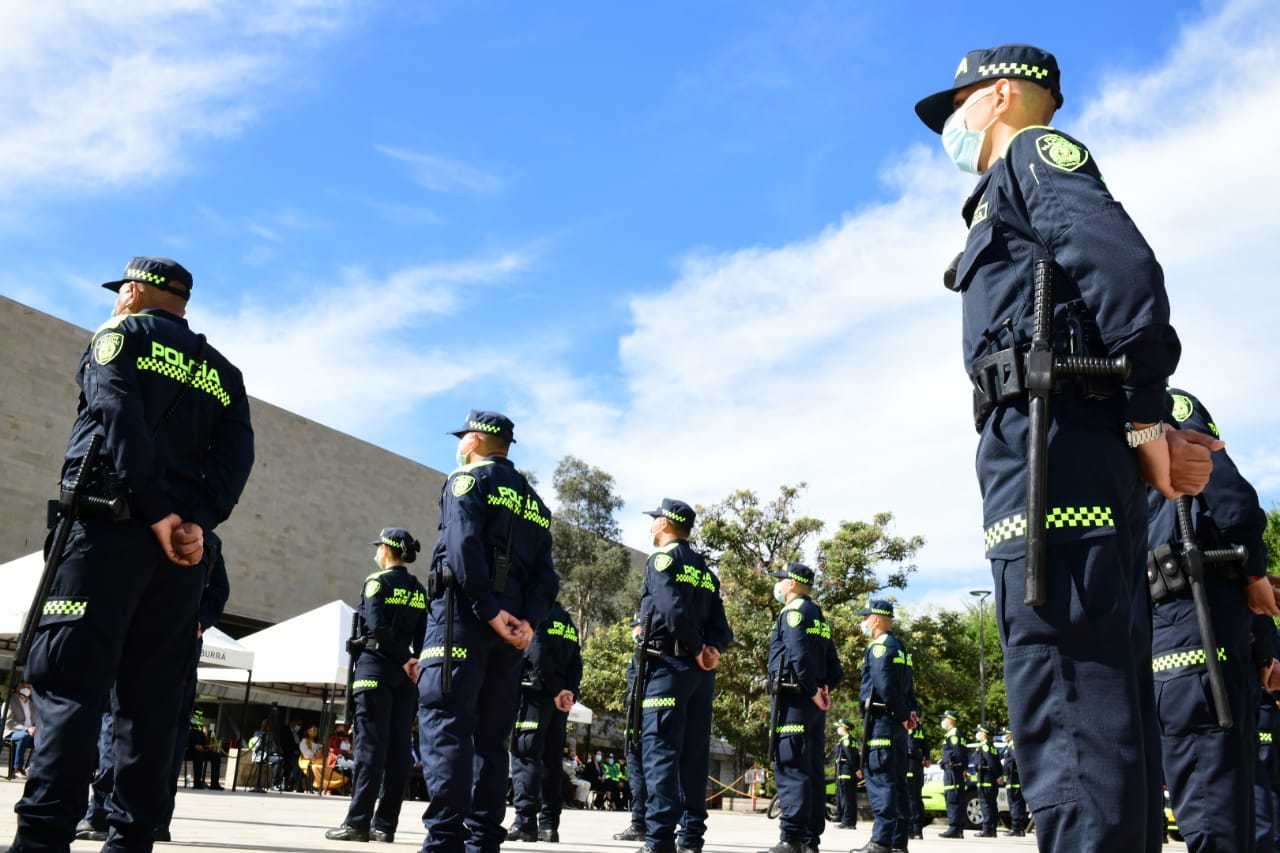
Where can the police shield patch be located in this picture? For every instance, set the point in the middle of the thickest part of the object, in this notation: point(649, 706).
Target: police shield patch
point(794, 618)
point(462, 484)
point(662, 562)
point(1182, 407)
point(1061, 153)
point(107, 347)
point(371, 587)
point(879, 651)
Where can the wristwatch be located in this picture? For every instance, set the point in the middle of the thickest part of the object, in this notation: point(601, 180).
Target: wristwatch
point(1136, 437)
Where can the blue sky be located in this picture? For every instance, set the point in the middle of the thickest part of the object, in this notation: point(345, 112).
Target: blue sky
point(697, 244)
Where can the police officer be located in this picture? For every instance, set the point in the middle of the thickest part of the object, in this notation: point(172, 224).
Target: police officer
point(680, 602)
point(989, 772)
point(803, 668)
point(1079, 681)
point(549, 687)
point(955, 764)
point(885, 699)
point(917, 754)
point(1265, 770)
point(122, 610)
point(493, 565)
point(848, 771)
point(1209, 769)
point(390, 626)
point(635, 831)
point(1013, 789)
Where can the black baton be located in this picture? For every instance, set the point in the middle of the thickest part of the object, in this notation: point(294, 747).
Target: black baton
point(1043, 368)
point(1194, 561)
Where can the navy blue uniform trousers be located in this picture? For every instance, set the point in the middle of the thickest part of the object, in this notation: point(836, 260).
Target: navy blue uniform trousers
point(1078, 669)
point(463, 737)
point(122, 615)
point(639, 790)
point(955, 794)
point(1209, 770)
point(677, 744)
point(800, 772)
point(537, 773)
point(383, 717)
point(886, 777)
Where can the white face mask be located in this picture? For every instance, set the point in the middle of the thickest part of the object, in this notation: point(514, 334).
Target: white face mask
point(963, 145)
point(779, 594)
point(866, 629)
point(26, 691)
point(461, 455)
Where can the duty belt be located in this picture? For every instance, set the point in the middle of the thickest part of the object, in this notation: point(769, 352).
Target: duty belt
point(1000, 376)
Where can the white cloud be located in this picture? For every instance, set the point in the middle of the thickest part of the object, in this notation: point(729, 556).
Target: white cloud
point(439, 173)
point(836, 360)
point(356, 351)
point(103, 94)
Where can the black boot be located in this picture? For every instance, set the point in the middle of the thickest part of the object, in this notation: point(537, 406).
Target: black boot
point(551, 836)
point(952, 833)
point(347, 833)
point(631, 833)
point(873, 847)
point(520, 833)
point(785, 847)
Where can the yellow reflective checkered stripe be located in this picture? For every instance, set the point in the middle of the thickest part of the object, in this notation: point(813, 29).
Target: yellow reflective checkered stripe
point(1060, 516)
point(526, 725)
point(364, 683)
point(658, 702)
point(878, 742)
point(200, 382)
point(1013, 69)
point(1187, 657)
point(1264, 737)
point(432, 652)
point(64, 607)
point(791, 729)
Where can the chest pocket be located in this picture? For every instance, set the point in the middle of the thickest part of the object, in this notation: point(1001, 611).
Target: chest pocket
point(980, 238)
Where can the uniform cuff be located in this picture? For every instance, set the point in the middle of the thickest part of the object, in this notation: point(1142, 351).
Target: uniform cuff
point(150, 506)
point(486, 609)
point(1146, 405)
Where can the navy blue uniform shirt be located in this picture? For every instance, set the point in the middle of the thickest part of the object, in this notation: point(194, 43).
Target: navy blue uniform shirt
point(885, 671)
point(1226, 513)
point(801, 642)
point(196, 463)
point(554, 658)
point(217, 588)
point(480, 505)
point(393, 612)
point(684, 597)
point(1046, 199)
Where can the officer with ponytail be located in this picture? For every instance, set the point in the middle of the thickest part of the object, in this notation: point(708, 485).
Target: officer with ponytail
point(391, 625)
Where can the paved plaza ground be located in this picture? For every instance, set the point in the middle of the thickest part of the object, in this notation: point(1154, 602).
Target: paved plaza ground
point(209, 821)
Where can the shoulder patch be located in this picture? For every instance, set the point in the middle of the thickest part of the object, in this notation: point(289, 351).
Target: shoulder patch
point(879, 650)
point(794, 618)
point(462, 484)
point(107, 346)
point(371, 587)
point(1060, 152)
point(1182, 407)
point(662, 562)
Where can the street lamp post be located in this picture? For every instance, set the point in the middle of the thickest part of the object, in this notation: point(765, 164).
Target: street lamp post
point(981, 595)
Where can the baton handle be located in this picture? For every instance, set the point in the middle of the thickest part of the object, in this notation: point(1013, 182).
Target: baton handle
point(446, 671)
point(1195, 573)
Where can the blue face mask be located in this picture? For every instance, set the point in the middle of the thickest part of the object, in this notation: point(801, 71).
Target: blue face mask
point(962, 145)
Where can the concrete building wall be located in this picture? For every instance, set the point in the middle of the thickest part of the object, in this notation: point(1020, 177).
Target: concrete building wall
point(298, 537)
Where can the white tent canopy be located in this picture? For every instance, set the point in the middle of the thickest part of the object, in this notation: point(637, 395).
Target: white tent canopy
point(220, 650)
point(580, 713)
point(309, 649)
point(19, 579)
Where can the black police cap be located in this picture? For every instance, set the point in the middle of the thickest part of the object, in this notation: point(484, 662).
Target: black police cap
point(796, 572)
point(489, 423)
point(678, 511)
point(396, 537)
point(1015, 61)
point(164, 273)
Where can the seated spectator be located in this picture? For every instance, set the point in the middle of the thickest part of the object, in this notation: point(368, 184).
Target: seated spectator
point(204, 751)
point(340, 749)
point(20, 728)
point(311, 760)
point(264, 752)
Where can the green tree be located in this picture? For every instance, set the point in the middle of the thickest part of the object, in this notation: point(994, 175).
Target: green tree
point(604, 668)
point(593, 567)
point(1271, 536)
